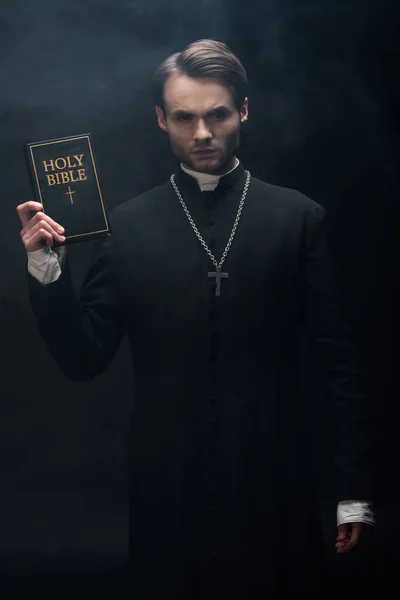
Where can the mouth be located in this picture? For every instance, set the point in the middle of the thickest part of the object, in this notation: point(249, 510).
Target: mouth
point(205, 153)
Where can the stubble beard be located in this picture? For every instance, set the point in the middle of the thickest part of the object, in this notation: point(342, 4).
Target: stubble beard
point(215, 166)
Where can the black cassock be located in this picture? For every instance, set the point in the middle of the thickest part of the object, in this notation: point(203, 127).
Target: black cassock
point(222, 494)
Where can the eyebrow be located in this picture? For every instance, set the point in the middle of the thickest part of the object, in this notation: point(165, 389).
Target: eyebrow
point(181, 111)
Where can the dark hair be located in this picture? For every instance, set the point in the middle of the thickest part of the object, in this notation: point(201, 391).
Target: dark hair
point(203, 59)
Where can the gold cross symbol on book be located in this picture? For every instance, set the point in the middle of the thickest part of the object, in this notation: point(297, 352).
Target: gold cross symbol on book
point(69, 193)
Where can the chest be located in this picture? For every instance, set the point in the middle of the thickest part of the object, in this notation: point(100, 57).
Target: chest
point(165, 272)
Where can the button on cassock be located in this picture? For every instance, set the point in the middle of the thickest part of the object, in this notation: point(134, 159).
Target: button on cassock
point(213, 419)
point(212, 309)
point(213, 401)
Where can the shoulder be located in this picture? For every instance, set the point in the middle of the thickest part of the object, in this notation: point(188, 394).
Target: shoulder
point(285, 200)
point(141, 204)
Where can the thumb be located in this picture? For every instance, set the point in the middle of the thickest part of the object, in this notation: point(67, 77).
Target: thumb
point(342, 531)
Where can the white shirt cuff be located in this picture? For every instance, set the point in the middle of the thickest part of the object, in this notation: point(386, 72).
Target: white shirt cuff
point(352, 511)
point(45, 264)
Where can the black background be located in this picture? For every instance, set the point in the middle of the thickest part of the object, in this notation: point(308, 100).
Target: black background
point(323, 107)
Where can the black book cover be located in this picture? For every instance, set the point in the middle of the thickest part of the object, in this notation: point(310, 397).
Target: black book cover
point(66, 183)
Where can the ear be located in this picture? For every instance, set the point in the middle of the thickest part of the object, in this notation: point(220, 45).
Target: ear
point(161, 118)
point(244, 111)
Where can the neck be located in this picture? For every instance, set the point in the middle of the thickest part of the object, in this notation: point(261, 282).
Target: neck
point(222, 171)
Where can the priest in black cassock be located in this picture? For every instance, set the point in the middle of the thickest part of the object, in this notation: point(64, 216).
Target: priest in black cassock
point(212, 276)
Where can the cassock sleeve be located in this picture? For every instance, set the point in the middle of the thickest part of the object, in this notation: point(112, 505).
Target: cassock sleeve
point(339, 360)
point(81, 332)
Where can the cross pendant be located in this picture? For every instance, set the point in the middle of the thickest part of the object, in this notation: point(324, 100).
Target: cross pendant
point(218, 276)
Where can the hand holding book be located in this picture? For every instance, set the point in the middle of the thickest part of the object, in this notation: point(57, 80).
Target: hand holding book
point(39, 230)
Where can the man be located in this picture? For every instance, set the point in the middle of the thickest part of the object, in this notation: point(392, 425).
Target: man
point(211, 276)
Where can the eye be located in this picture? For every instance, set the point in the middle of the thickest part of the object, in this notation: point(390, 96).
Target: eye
point(184, 118)
point(219, 115)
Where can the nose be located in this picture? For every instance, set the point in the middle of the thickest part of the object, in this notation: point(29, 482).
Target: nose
point(202, 132)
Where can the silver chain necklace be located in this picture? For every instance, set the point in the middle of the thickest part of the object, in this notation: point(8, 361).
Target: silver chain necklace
point(217, 275)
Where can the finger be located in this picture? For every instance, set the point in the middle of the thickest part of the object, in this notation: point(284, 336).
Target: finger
point(342, 537)
point(343, 531)
point(349, 546)
point(41, 238)
point(43, 224)
point(35, 239)
point(23, 210)
point(356, 529)
point(340, 545)
point(355, 533)
point(29, 232)
point(40, 217)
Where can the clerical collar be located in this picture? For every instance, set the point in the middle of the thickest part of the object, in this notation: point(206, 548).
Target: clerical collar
point(206, 181)
point(223, 184)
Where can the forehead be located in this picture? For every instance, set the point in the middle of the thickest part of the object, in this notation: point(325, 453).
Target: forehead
point(195, 95)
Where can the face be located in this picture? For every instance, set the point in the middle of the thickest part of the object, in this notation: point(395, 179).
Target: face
point(202, 122)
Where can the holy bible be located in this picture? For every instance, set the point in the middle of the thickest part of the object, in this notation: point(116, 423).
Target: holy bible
point(66, 183)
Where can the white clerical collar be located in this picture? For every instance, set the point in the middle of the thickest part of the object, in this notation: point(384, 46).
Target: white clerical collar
point(206, 181)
